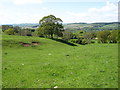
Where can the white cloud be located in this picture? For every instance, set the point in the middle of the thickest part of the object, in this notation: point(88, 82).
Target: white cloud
point(22, 2)
point(15, 16)
point(76, 14)
point(107, 13)
point(108, 8)
point(8, 15)
point(45, 8)
point(20, 18)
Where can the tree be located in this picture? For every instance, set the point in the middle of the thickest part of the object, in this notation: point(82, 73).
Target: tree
point(118, 36)
point(25, 32)
point(103, 36)
point(113, 36)
point(6, 27)
point(89, 36)
point(16, 29)
point(40, 32)
point(67, 35)
point(51, 25)
point(80, 34)
point(9, 31)
point(58, 29)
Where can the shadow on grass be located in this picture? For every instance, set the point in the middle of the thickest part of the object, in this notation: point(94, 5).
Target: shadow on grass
point(63, 41)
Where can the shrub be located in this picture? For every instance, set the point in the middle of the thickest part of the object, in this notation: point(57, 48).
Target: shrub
point(103, 36)
point(92, 41)
point(113, 36)
point(73, 40)
point(34, 34)
point(84, 41)
point(67, 35)
point(40, 32)
point(10, 31)
point(79, 41)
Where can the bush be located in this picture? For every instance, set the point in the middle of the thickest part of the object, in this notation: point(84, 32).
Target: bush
point(10, 31)
point(84, 41)
point(79, 41)
point(73, 40)
point(113, 36)
point(92, 41)
point(40, 32)
point(34, 34)
point(103, 36)
point(67, 35)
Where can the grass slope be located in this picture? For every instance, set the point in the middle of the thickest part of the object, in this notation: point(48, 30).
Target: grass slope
point(56, 64)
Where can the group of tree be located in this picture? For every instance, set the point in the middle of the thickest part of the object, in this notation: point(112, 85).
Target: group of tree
point(106, 36)
point(10, 30)
point(16, 30)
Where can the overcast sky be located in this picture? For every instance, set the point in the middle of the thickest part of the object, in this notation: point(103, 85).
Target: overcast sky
point(70, 11)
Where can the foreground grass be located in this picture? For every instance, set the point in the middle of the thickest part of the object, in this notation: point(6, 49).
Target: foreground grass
point(56, 64)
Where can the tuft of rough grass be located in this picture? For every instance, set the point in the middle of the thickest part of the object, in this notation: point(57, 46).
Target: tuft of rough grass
point(56, 65)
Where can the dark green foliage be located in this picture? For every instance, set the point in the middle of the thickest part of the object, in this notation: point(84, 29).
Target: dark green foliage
point(67, 35)
point(107, 36)
point(5, 27)
point(81, 32)
point(89, 35)
point(103, 36)
point(51, 25)
point(40, 32)
point(64, 41)
point(118, 36)
point(9, 31)
point(58, 29)
point(73, 40)
point(74, 36)
point(16, 29)
point(92, 41)
point(79, 41)
point(25, 32)
point(84, 41)
point(113, 36)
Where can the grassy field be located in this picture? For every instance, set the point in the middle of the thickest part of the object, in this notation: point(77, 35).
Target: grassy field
point(54, 64)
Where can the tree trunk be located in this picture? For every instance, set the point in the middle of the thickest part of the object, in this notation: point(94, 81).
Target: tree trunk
point(51, 35)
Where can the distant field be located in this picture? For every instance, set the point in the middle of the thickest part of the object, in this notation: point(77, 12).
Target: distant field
point(75, 27)
point(54, 64)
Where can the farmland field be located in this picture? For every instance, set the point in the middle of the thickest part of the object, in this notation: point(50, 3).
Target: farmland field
point(54, 64)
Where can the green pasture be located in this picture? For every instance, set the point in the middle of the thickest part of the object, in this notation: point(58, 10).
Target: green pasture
point(54, 64)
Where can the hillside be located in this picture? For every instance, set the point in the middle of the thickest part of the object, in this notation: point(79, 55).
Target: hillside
point(54, 64)
point(74, 27)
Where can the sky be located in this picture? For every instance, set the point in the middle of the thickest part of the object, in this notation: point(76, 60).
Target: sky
point(70, 11)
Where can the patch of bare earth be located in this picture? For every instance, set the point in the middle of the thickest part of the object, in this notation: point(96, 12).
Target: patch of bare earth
point(29, 44)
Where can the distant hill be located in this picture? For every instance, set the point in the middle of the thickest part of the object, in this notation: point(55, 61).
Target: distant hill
point(74, 27)
point(27, 25)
